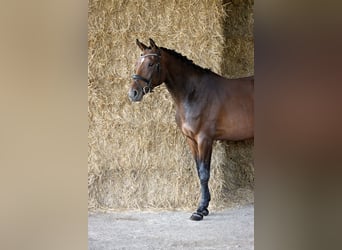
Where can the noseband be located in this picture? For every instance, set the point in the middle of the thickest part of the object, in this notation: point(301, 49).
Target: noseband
point(148, 88)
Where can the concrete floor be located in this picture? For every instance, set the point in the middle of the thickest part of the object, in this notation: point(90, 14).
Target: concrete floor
point(229, 229)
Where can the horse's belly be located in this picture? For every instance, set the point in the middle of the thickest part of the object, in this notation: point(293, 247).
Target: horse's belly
point(235, 131)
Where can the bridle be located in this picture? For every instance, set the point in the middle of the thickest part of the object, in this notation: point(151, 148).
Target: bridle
point(148, 88)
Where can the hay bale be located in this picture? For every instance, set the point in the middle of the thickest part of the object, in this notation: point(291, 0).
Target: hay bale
point(137, 157)
point(238, 50)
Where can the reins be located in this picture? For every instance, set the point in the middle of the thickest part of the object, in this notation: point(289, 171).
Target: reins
point(149, 87)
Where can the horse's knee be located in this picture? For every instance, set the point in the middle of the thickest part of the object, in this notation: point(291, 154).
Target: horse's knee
point(204, 174)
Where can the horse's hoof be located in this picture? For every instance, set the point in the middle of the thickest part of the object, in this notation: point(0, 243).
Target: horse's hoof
point(205, 212)
point(196, 216)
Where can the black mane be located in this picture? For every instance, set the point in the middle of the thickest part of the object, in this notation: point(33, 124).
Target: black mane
point(186, 60)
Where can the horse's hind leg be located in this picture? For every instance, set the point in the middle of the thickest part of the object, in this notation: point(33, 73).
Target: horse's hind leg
point(203, 170)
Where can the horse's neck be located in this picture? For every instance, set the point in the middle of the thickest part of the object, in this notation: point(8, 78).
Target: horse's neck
point(180, 80)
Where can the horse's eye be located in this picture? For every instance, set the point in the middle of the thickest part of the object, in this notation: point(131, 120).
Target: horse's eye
point(150, 64)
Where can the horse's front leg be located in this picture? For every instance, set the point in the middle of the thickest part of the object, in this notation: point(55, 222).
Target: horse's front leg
point(203, 158)
point(204, 175)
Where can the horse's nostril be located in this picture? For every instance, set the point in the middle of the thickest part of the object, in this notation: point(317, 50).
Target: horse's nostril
point(134, 95)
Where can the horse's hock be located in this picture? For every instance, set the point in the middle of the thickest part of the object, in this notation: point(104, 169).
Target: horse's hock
point(138, 158)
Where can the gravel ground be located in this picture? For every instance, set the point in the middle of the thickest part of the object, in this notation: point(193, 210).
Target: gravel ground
point(228, 229)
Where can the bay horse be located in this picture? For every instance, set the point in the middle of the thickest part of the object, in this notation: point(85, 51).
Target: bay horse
point(208, 106)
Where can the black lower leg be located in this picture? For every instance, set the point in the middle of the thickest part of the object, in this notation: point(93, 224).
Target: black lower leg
point(204, 175)
point(202, 210)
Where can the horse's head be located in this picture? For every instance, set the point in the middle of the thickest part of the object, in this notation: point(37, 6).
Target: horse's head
point(147, 73)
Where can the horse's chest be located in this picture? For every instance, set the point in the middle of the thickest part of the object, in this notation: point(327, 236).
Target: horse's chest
point(187, 124)
point(187, 130)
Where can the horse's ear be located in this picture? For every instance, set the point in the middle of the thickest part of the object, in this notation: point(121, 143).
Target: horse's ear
point(153, 45)
point(141, 45)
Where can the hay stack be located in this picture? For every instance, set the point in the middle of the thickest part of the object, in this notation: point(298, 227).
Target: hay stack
point(137, 156)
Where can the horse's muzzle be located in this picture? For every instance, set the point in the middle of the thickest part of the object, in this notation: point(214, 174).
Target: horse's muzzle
point(135, 95)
